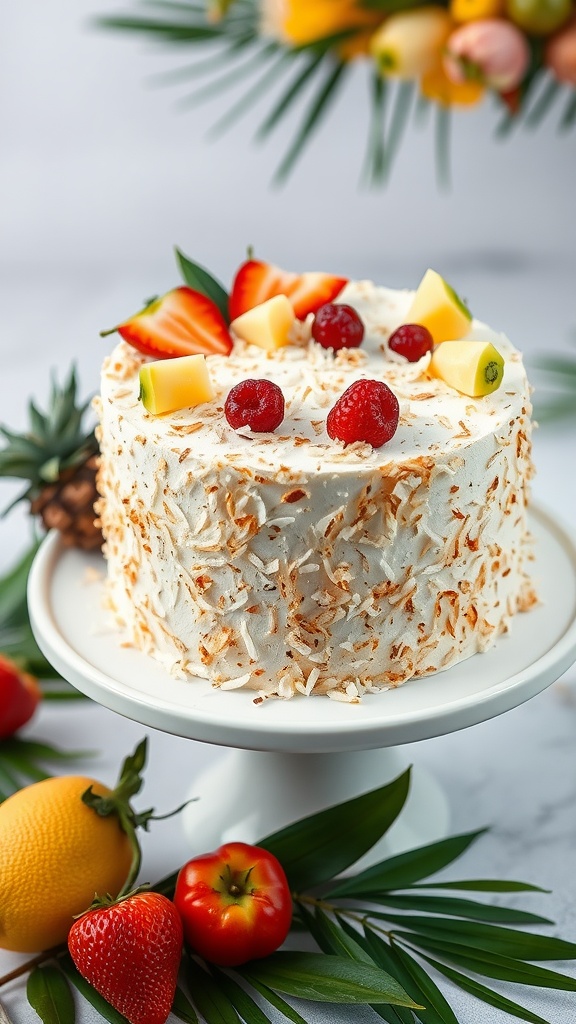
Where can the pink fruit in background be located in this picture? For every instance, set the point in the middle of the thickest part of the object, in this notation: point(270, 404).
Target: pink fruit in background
point(492, 51)
point(19, 696)
point(560, 54)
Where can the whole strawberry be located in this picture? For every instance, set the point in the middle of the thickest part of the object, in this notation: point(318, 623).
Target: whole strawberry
point(19, 696)
point(130, 953)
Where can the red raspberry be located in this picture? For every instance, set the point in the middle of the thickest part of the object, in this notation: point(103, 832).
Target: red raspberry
point(258, 404)
point(367, 411)
point(411, 341)
point(337, 326)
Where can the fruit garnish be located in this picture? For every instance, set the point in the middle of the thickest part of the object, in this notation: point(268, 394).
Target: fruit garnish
point(19, 697)
point(367, 411)
point(257, 281)
point(266, 325)
point(475, 368)
point(235, 904)
point(258, 404)
point(437, 307)
point(168, 385)
point(337, 326)
point(130, 952)
point(411, 341)
point(182, 322)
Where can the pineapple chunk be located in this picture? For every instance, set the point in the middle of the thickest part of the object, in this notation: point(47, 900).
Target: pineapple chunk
point(475, 368)
point(437, 307)
point(266, 325)
point(170, 384)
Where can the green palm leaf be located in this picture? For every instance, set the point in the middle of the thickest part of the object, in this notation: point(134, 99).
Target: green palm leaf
point(316, 111)
point(230, 79)
point(496, 965)
point(442, 145)
point(399, 121)
point(288, 98)
point(569, 114)
point(374, 162)
point(251, 96)
point(542, 104)
point(487, 995)
point(202, 67)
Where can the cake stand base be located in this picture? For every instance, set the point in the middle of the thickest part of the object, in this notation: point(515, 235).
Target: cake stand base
point(256, 793)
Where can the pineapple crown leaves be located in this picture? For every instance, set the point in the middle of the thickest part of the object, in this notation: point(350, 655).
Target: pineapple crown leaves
point(56, 440)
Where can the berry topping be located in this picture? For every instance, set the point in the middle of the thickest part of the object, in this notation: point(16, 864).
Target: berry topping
point(337, 326)
point(367, 411)
point(411, 341)
point(258, 404)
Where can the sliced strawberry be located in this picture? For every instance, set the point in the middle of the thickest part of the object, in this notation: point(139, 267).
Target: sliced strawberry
point(181, 323)
point(256, 281)
point(312, 290)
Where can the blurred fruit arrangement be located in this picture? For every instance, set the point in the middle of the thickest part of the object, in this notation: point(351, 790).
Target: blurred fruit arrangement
point(446, 56)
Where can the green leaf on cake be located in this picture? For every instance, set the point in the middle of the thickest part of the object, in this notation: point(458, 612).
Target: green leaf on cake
point(201, 280)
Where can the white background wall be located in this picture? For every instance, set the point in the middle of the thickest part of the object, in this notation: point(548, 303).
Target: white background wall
point(101, 174)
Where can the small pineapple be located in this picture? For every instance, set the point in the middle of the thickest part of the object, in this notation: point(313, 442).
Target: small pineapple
point(58, 457)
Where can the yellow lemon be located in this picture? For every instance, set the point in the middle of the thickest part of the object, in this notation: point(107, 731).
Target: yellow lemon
point(55, 853)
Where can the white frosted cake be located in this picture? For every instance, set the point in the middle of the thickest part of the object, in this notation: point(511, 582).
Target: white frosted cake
point(289, 563)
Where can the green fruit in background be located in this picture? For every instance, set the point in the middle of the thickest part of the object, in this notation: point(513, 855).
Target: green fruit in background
point(539, 17)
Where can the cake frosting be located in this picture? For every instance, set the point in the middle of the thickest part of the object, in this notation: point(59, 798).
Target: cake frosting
point(289, 563)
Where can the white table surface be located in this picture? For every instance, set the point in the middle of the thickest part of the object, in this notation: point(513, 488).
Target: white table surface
point(99, 177)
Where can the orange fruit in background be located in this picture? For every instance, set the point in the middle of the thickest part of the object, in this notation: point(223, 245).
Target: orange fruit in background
point(55, 854)
point(435, 85)
point(475, 10)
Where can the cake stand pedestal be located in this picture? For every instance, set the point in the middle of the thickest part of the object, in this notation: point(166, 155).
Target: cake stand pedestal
point(296, 757)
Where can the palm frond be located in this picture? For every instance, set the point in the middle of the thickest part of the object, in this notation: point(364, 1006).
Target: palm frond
point(201, 67)
point(422, 109)
point(230, 79)
point(542, 104)
point(290, 96)
point(569, 114)
point(400, 115)
point(317, 110)
point(374, 163)
point(442, 145)
point(251, 96)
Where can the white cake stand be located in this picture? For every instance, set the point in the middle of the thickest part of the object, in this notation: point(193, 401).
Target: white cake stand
point(295, 757)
